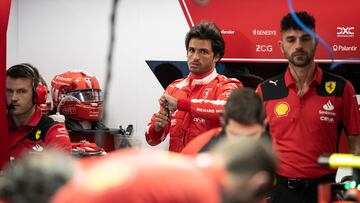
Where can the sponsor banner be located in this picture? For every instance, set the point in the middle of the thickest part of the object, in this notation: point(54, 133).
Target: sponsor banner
point(251, 29)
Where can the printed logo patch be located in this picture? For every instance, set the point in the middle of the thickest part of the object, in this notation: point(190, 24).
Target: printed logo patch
point(38, 148)
point(328, 115)
point(282, 109)
point(273, 82)
point(328, 106)
point(37, 134)
point(330, 86)
point(207, 92)
point(62, 130)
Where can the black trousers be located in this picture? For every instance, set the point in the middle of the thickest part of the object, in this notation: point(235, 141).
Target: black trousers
point(282, 194)
point(298, 190)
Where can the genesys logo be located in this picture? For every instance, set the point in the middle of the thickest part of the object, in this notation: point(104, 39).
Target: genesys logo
point(264, 32)
point(344, 48)
point(345, 31)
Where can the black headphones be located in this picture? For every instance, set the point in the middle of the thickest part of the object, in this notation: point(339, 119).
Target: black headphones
point(39, 89)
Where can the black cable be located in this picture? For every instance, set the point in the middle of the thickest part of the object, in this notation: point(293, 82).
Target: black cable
point(100, 136)
point(109, 58)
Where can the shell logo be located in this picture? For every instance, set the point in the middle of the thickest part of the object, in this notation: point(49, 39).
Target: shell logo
point(281, 109)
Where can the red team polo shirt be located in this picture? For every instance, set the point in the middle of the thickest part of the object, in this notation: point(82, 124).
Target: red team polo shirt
point(57, 137)
point(303, 128)
point(195, 146)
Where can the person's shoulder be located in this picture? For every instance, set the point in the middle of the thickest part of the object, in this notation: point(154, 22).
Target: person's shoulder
point(224, 80)
point(175, 82)
point(195, 145)
point(210, 133)
point(274, 78)
point(332, 85)
point(58, 128)
point(327, 76)
point(273, 88)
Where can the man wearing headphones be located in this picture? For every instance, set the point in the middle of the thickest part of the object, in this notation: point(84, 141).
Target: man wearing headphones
point(29, 130)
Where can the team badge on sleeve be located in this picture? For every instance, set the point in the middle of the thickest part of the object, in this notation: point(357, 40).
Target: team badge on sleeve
point(37, 134)
point(281, 109)
point(330, 86)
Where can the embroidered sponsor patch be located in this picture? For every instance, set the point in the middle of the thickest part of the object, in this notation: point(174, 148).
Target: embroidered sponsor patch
point(281, 109)
point(62, 130)
point(330, 86)
point(206, 92)
point(38, 134)
point(38, 148)
point(62, 135)
point(328, 106)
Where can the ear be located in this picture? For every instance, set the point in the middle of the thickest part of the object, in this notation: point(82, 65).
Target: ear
point(281, 46)
point(216, 58)
point(265, 123)
point(222, 119)
point(316, 43)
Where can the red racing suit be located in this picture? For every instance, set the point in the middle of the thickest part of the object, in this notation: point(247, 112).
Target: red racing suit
point(200, 102)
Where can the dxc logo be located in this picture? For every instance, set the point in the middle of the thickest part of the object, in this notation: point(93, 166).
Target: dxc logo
point(345, 30)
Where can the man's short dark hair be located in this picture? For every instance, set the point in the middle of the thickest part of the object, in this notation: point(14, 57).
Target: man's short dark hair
point(207, 31)
point(24, 70)
point(244, 106)
point(246, 155)
point(288, 22)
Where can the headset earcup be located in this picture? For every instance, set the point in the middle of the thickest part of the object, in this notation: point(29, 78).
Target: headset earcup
point(41, 94)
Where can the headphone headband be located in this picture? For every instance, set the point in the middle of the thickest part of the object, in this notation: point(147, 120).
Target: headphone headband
point(39, 90)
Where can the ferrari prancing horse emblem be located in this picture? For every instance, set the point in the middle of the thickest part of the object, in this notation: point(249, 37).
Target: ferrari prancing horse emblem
point(330, 86)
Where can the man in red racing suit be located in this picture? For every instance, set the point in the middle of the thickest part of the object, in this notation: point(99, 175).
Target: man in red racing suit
point(195, 102)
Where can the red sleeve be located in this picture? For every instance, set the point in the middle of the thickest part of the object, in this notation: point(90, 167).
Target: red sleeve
point(211, 109)
point(152, 137)
point(195, 145)
point(350, 114)
point(58, 138)
point(184, 105)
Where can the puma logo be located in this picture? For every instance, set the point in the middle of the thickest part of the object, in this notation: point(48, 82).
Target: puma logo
point(273, 82)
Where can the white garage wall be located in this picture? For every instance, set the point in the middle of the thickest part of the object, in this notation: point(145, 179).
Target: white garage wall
point(61, 35)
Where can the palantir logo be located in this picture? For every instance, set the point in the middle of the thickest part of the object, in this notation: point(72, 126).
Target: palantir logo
point(328, 106)
point(345, 31)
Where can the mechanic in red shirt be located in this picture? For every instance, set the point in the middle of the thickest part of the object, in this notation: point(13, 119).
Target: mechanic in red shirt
point(240, 170)
point(29, 130)
point(243, 115)
point(194, 102)
point(306, 109)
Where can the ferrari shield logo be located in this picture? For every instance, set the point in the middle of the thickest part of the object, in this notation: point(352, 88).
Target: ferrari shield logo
point(330, 86)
